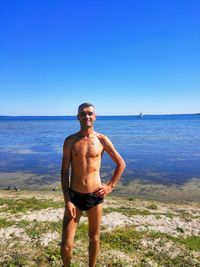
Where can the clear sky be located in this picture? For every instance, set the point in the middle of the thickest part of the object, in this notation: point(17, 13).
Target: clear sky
point(124, 56)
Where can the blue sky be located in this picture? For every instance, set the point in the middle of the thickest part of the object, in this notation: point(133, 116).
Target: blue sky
point(123, 56)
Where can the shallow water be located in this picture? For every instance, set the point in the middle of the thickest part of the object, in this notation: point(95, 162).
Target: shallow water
point(163, 149)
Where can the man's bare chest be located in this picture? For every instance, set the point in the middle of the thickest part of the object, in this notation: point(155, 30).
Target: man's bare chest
point(87, 148)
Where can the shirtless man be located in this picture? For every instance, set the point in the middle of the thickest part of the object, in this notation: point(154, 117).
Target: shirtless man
point(83, 190)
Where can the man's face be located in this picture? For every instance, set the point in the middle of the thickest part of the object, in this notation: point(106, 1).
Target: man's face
point(87, 116)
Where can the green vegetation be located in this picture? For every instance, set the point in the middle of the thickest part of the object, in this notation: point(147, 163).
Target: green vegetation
point(16, 261)
point(123, 239)
point(127, 211)
point(4, 223)
point(134, 211)
point(120, 247)
point(164, 258)
point(131, 199)
point(40, 256)
point(179, 229)
point(191, 242)
point(185, 215)
point(169, 215)
point(52, 255)
point(152, 207)
point(82, 232)
point(36, 229)
point(23, 205)
point(23, 224)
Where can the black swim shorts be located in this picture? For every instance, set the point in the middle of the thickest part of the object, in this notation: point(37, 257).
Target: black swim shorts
point(84, 201)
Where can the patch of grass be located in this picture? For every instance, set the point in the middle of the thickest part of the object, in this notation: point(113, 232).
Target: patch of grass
point(169, 215)
point(36, 229)
point(116, 263)
point(191, 242)
point(4, 223)
point(82, 232)
point(17, 260)
point(152, 207)
point(134, 211)
point(23, 205)
point(127, 211)
point(158, 217)
point(155, 235)
point(179, 229)
point(185, 215)
point(131, 199)
point(37, 256)
point(52, 255)
point(163, 259)
point(124, 239)
point(23, 224)
point(75, 265)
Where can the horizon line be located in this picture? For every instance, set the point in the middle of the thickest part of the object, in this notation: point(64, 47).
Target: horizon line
point(127, 115)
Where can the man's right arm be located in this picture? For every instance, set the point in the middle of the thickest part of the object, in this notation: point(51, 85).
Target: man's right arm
point(66, 161)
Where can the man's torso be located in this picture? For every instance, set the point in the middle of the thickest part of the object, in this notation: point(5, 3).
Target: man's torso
point(86, 156)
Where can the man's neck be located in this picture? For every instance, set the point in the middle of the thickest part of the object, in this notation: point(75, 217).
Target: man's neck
point(87, 132)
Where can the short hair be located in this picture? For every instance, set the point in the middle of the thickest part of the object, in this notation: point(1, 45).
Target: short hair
point(85, 105)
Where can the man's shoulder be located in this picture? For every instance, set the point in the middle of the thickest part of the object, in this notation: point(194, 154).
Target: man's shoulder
point(71, 138)
point(102, 137)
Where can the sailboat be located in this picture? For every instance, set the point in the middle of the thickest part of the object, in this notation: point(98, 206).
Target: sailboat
point(140, 115)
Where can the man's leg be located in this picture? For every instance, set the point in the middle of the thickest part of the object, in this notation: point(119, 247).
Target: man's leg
point(94, 219)
point(69, 230)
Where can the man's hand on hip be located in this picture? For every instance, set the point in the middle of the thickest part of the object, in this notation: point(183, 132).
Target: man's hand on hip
point(103, 190)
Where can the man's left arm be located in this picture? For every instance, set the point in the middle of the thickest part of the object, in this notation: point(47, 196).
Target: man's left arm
point(105, 189)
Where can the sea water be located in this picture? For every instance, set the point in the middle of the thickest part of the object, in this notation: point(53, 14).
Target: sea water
point(164, 149)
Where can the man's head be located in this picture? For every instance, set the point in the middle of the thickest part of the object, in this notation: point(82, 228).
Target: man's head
point(86, 115)
point(85, 105)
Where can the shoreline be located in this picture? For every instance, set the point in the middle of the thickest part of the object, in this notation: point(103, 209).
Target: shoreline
point(141, 189)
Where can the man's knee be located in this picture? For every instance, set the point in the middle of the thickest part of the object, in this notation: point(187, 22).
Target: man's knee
point(94, 238)
point(67, 248)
